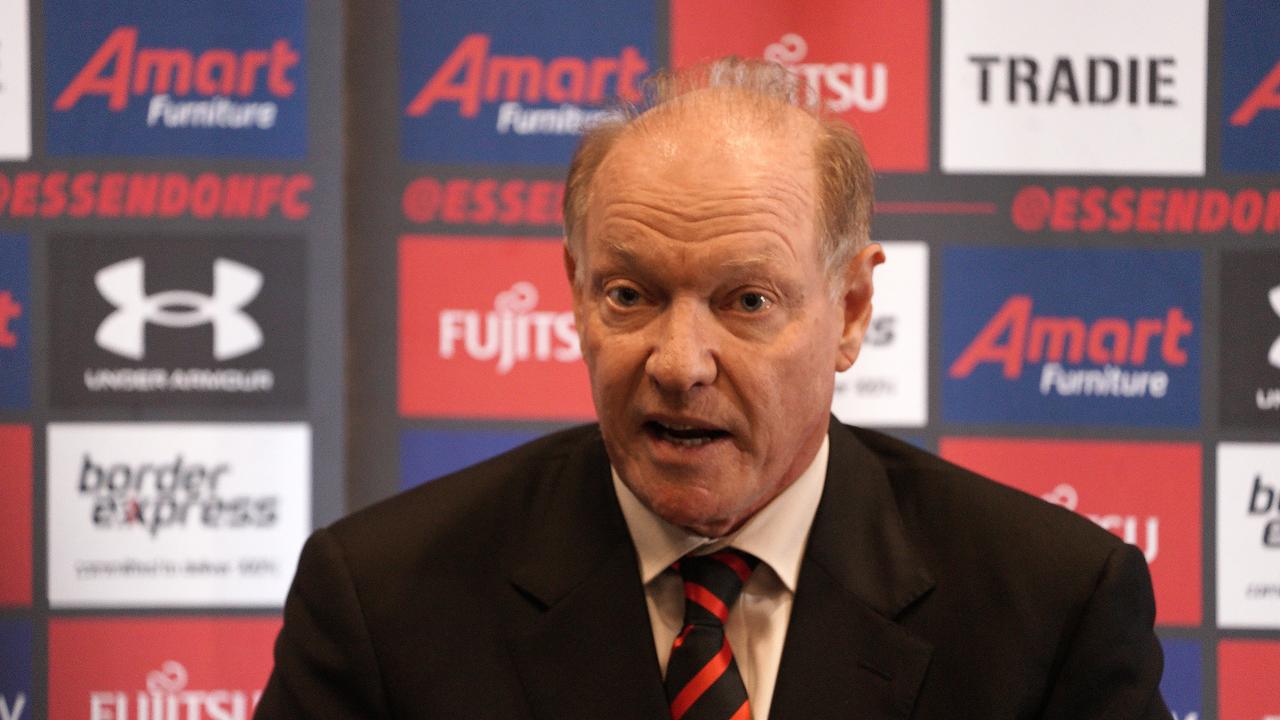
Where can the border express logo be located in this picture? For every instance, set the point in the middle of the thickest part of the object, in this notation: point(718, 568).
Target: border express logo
point(1247, 670)
point(169, 514)
point(1248, 569)
point(502, 84)
point(184, 668)
point(1249, 373)
point(15, 671)
point(1087, 87)
point(888, 385)
point(206, 78)
point(15, 321)
point(1147, 494)
point(428, 454)
point(1251, 87)
point(15, 516)
point(1081, 336)
point(15, 82)
point(161, 321)
point(497, 344)
point(866, 61)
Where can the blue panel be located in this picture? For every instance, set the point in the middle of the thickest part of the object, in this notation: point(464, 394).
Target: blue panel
point(15, 323)
point(1180, 685)
point(15, 668)
point(1251, 87)
point(428, 454)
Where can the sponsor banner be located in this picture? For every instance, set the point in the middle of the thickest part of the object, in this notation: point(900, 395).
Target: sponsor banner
point(15, 322)
point(176, 514)
point(866, 61)
point(204, 78)
point(15, 670)
point(1249, 369)
point(1251, 87)
point(1145, 210)
point(1047, 88)
point(484, 201)
point(15, 515)
point(487, 330)
point(1078, 336)
point(164, 321)
point(429, 454)
point(1147, 494)
point(111, 194)
point(493, 83)
point(1247, 670)
point(181, 668)
point(15, 82)
point(888, 385)
point(1180, 685)
point(1248, 569)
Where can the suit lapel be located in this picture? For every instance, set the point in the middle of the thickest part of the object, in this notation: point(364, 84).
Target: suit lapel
point(844, 656)
point(581, 642)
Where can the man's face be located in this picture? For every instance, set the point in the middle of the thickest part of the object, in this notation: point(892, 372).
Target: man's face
point(708, 325)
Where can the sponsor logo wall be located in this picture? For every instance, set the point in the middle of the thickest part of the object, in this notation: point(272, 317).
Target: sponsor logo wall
point(183, 667)
point(171, 344)
point(1082, 209)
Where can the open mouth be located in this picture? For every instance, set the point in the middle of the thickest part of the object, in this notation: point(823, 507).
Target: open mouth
point(683, 435)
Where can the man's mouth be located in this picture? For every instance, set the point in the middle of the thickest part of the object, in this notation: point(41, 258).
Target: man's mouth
point(683, 435)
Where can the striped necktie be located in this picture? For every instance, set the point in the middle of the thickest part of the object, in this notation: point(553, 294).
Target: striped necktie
point(703, 682)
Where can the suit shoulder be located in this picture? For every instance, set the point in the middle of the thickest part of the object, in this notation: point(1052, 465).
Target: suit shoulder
point(463, 508)
point(951, 504)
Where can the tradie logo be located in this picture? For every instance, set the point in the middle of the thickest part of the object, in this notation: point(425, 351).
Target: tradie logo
point(167, 698)
point(1266, 96)
point(1111, 342)
point(1273, 355)
point(10, 310)
point(471, 75)
point(511, 332)
point(234, 286)
point(840, 86)
point(1124, 526)
point(160, 71)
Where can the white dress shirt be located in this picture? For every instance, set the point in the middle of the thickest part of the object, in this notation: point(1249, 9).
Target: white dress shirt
point(758, 621)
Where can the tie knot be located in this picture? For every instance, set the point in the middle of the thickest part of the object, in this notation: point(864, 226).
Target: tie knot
point(712, 584)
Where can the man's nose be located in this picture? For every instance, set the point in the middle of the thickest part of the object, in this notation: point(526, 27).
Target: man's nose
point(683, 356)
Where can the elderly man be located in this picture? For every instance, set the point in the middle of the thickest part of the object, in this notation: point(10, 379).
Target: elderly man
point(717, 547)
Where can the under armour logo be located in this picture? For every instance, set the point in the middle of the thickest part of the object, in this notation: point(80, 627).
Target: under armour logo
point(234, 286)
point(1273, 355)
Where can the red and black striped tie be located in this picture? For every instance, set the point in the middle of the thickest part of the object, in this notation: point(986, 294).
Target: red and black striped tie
point(703, 682)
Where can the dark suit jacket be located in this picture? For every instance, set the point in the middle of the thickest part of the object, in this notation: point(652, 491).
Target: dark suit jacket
point(511, 590)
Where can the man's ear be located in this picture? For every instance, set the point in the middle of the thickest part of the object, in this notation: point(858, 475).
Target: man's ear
point(856, 301)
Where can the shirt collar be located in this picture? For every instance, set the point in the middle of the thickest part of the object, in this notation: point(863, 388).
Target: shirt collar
point(776, 533)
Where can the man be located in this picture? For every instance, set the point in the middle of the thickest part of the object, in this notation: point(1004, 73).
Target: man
point(717, 547)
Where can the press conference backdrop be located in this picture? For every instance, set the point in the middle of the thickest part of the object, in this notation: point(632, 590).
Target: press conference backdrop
point(264, 263)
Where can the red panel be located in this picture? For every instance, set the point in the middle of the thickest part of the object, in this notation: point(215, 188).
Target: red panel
point(486, 330)
point(1247, 672)
point(840, 38)
point(1146, 493)
point(15, 515)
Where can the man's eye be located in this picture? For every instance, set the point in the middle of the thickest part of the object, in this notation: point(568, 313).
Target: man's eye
point(624, 296)
point(753, 301)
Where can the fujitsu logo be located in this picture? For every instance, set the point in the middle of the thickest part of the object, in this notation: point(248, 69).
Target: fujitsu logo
point(840, 86)
point(1127, 527)
point(167, 698)
point(216, 74)
point(470, 75)
point(510, 333)
point(1110, 342)
point(235, 285)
